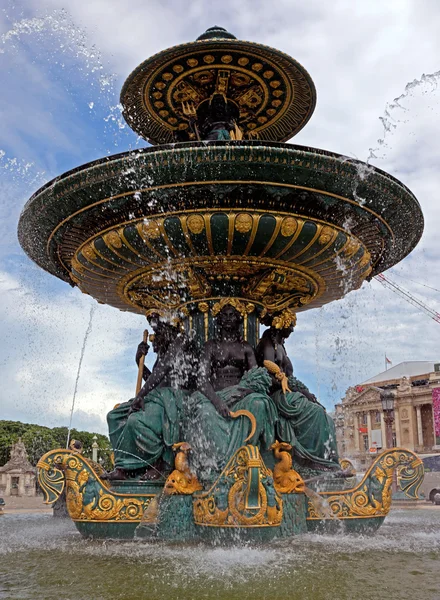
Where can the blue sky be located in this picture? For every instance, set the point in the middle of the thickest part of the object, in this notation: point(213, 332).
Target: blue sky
point(62, 70)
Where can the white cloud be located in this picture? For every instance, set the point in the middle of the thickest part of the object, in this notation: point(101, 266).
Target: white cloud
point(42, 340)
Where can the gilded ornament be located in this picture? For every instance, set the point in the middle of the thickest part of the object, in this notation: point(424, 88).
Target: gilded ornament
point(276, 103)
point(275, 84)
point(351, 247)
point(87, 496)
point(284, 319)
point(160, 85)
point(286, 479)
point(89, 252)
point(203, 307)
point(257, 67)
point(244, 495)
point(196, 224)
point(277, 93)
point(372, 496)
point(167, 76)
point(268, 74)
point(243, 222)
point(112, 239)
point(159, 104)
point(365, 259)
point(163, 113)
point(177, 68)
point(326, 235)
point(192, 62)
point(289, 226)
point(234, 302)
point(243, 61)
point(347, 465)
point(208, 59)
point(275, 370)
point(227, 58)
point(271, 111)
point(150, 229)
point(182, 480)
point(77, 265)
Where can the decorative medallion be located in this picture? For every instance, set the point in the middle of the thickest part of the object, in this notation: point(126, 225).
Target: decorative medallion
point(243, 222)
point(288, 226)
point(196, 224)
point(273, 94)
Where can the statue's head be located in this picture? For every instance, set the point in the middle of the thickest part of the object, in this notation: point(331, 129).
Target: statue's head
point(282, 322)
point(229, 318)
point(230, 313)
point(165, 326)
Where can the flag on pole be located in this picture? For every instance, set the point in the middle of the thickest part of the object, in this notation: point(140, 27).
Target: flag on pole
point(389, 362)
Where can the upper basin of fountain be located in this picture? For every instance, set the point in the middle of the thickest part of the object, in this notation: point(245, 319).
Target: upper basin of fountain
point(275, 224)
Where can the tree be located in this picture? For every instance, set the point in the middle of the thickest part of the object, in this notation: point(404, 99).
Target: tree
point(39, 440)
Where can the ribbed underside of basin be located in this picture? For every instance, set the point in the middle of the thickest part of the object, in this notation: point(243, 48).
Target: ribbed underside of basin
point(274, 224)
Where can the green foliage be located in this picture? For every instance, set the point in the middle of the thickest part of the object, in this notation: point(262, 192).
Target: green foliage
point(39, 440)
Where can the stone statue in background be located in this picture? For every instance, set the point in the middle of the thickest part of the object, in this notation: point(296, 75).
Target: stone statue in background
point(302, 421)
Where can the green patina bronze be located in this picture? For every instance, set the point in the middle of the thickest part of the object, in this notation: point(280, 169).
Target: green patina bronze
point(218, 227)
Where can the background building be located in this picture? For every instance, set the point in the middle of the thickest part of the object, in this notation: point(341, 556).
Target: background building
point(359, 418)
point(17, 476)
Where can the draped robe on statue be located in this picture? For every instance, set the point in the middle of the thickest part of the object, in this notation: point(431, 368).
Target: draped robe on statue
point(141, 438)
point(308, 428)
point(213, 438)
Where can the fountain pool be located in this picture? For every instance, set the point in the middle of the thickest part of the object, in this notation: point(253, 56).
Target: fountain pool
point(45, 562)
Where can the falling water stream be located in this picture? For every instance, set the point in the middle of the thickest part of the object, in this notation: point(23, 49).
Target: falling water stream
point(78, 373)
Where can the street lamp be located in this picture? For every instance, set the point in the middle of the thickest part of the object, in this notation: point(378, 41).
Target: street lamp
point(387, 399)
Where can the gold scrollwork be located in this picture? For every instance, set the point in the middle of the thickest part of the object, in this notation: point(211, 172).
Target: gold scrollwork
point(372, 496)
point(87, 496)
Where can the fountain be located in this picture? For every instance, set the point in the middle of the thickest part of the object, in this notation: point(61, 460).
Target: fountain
point(218, 227)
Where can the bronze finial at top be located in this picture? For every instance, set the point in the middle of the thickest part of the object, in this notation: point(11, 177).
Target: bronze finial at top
point(216, 33)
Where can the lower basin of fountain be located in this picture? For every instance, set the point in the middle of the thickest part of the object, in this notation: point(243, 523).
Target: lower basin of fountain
point(247, 502)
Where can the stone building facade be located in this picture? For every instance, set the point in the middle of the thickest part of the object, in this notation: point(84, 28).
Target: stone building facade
point(17, 476)
point(359, 419)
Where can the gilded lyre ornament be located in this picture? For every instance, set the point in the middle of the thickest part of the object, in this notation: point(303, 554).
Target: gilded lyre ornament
point(244, 495)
